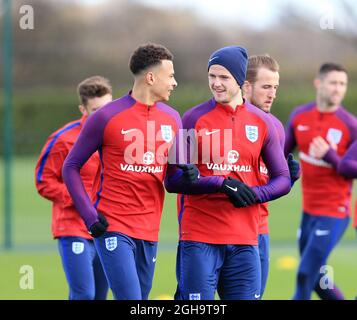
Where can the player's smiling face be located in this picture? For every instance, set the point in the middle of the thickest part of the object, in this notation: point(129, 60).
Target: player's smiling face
point(222, 84)
point(164, 80)
point(263, 91)
point(332, 87)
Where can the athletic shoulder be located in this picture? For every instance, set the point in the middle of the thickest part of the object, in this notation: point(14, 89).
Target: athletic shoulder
point(66, 132)
point(172, 112)
point(346, 115)
point(192, 115)
point(258, 113)
point(113, 107)
point(349, 119)
point(302, 108)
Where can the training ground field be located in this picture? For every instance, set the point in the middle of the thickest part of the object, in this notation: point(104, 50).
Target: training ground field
point(33, 246)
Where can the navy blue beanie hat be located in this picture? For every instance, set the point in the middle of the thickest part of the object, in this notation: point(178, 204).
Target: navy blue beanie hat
point(234, 59)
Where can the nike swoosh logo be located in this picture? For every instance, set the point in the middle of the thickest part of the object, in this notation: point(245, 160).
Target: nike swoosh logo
point(257, 296)
point(216, 57)
point(211, 132)
point(320, 233)
point(154, 259)
point(127, 131)
point(234, 189)
point(300, 127)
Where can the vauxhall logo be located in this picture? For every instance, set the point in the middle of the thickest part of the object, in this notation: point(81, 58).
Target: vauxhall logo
point(162, 144)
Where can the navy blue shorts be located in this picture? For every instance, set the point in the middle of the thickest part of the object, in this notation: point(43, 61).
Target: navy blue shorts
point(128, 263)
point(231, 270)
point(84, 272)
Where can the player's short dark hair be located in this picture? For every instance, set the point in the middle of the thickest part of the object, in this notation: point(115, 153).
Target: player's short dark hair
point(148, 55)
point(330, 66)
point(256, 62)
point(93, 87)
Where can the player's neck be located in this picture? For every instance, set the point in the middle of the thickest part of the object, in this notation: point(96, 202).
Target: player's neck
point(142, 95)
point(236, 101)
point(323, 106)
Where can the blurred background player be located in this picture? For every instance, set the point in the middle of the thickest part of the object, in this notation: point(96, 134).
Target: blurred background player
point(260, 89)
point(218, 219)
point(84, 272)
point(134, 136)
point(322, 130)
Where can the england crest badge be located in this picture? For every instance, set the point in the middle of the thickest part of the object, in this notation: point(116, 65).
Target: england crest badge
point(166, 133)
point(77, 247)
point(111, 243)
point(334, 135)
point(195, 296)
point(251, 133)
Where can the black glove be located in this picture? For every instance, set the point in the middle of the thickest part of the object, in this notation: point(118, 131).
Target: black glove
point(238, 192)
point(294, 168)
point(190, 172)
point(98, 228)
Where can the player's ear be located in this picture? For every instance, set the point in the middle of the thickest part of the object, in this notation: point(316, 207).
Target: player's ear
point(317, 83)
point(83, 110)
point(150, 78)
point(246, 88)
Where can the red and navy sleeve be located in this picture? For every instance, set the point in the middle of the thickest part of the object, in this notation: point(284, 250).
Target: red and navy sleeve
point(279, 129)
point(279, 182)
point(205, 184)
point(348, 164)
point(89, 141)
point(350, 121)
point(290, 140)
point(48, 176)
